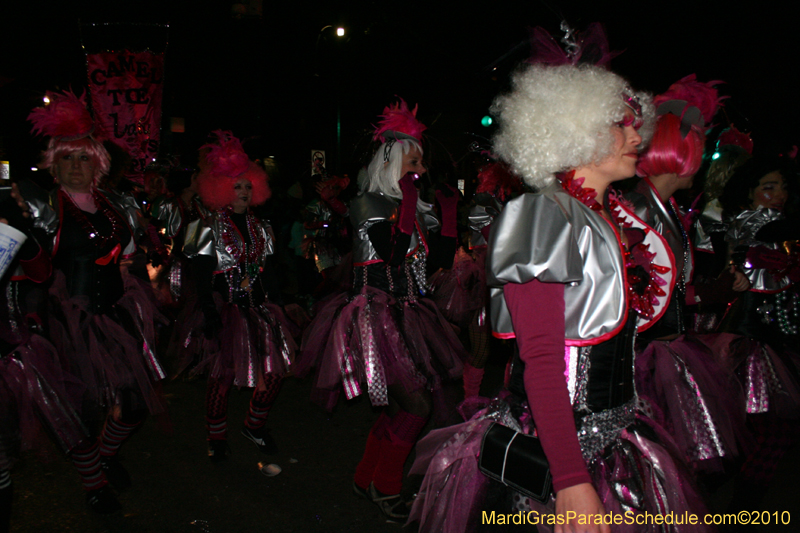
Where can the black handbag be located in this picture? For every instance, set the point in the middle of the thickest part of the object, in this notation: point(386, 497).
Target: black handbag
point(517, 461)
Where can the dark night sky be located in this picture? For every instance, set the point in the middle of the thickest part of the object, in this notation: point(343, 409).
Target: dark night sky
point(272, 77)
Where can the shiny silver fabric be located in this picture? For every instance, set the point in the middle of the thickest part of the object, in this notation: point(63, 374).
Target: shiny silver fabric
point(556, 239)
point(203, 237)
point(127, 206)
point(649, 207)
point(168, 212)
point(742, 232)
point(45, 212)
point(482, 214)
point(710, 221)
point(371, 208)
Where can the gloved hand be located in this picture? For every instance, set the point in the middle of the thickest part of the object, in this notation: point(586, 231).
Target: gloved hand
point(447, 196)
point(408, 205)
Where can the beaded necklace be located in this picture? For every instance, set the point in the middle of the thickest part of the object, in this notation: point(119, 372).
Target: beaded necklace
point(248, 256)
point(100, 240)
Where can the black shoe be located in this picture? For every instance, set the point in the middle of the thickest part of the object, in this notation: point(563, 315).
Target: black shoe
point(116, 474)
point(262, 439)
point(361, 493)
point(102, 501)
point(393, 506)
point(218, 450)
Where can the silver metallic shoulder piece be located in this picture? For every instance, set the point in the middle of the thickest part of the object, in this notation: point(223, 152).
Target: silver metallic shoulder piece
point(366, 210)
point(556, 239)
point(127, 206)
point(43, 207)
point(743, 233)
point(482, 214)
point(199, 240)
point(650, 209)
point(168, 212)
point(202, 210)
point(372, 206)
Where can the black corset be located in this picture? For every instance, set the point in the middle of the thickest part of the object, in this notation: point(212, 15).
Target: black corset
point(610, 380)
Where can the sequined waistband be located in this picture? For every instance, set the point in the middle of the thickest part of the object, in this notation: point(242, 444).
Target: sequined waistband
point(598, 430)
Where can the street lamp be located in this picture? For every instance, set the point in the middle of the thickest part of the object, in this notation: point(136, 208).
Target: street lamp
point(339, 33)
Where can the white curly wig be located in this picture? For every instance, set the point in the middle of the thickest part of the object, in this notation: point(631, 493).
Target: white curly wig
point(557, 118)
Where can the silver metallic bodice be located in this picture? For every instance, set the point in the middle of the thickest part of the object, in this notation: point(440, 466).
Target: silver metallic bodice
point(45, 212)
point(482, 214)
point(205, 237)
point(554, 238)
point(742, 232)
point(168, 212)
point(371, 208)
point(648, 206)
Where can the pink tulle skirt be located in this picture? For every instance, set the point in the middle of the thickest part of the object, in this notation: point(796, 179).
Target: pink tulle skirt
point(638, 472)
point(371, 341)
point(695, 397)
point(108, 353)
point(769, 384)
point(461, 292)
point(252, 342)
point(37, 398)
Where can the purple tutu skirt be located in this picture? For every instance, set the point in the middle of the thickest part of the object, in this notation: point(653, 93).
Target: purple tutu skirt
point(371, 341)
point(252, 342)
point(461, 292)
point(108, 354)
point(37, 398)
point(696, 398)
point(636, 473)
point(769, 384)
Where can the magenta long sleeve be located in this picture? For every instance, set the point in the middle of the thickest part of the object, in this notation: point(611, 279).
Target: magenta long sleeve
point(540, 336)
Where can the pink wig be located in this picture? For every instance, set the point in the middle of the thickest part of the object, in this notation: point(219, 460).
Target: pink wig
point(678, 142)
point(58, 148)
point(669, 152)
point(223, 163)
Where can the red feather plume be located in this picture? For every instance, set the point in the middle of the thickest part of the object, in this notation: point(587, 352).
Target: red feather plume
point(398, 117)
point(65, 116)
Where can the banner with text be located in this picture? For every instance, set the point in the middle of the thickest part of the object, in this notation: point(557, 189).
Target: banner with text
point(127, 89)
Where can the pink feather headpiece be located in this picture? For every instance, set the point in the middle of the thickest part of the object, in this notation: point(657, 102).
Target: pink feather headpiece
point(65, 117)
point(397, 122)
point(687, 95)
point(496, 179)
point(736, 138)
point(223, 162)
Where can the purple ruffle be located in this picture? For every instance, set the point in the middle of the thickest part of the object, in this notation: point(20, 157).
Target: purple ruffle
point(695, 397)
point(253, 341)
point(371, 341)
point(769, 385)
point(36, 394)
point(107, 354)
point(461, 291)
point(638, 473)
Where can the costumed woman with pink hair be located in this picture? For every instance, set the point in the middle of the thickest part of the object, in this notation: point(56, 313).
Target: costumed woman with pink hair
point(239, 336)
point(101, 321)
point(386, 338)
point(689, 392)
point(573, 273)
